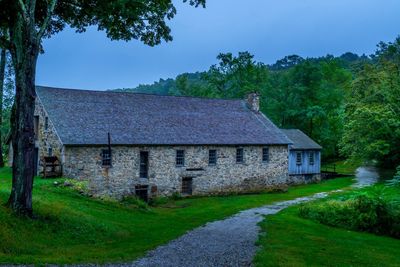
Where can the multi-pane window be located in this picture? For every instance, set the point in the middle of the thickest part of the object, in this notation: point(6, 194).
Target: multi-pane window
point(212, 157)
point(239, 155)
point(265, 154)
point(311, 158)
point(144, 164)
point(106, 157)
point(180, 158)
point(46, 123)
point(298, 158)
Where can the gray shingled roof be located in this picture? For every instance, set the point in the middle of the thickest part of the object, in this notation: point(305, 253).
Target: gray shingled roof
point(84, 117)
point(300, 140)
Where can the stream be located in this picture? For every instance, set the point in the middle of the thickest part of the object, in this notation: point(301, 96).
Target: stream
point(366, 176)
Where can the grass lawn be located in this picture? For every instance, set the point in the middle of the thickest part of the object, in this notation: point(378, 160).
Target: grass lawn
point(293, 241)
point(342, 167)
point(72, 228)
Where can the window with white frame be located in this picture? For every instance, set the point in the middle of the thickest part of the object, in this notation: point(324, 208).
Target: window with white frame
point(265, 154)
point(311, 157)
point(212, 157)
point(298, 158)
point(180, 158)
point(106, 158)
point(239, 155)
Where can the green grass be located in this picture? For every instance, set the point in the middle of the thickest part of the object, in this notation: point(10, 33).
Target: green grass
point(71, 228)
point(294, 241)
point(342, 167)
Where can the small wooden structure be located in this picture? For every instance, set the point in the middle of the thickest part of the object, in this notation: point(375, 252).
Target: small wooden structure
point(51, 167)
point(304, 156)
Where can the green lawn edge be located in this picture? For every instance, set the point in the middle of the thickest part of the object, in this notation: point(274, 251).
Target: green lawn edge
point(289, 240)
point(72, 228)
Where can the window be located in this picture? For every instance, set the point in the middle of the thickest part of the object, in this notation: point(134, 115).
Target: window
point(212, 157)
point(298, 158)
point(311, 158)
point(46, 123)
point(106, 157)
point(239, 155)
point(144, 164)
point(265, 154)
point(180, 158)
point(50, 152)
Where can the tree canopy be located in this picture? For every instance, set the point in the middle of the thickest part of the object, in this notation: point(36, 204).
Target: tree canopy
point(23, 25)
point(372, 116)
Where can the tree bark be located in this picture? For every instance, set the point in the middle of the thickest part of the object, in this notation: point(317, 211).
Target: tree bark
point(24, 52)
point(2, 75)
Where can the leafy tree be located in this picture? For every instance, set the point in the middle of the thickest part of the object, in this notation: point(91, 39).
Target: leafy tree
point(27, 22)
point(188, 87)
point(287, 62)
point(372, 117)
point(310, 96)
point(234, 77)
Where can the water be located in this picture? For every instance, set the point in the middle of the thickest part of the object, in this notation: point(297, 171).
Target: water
point(366, 176)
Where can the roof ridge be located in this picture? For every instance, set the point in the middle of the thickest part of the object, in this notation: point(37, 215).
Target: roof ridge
point(138, 93)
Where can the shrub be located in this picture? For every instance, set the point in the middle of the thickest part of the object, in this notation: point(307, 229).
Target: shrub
point(157, 201)
point(78, 185)
point(176, 196)
point(137, 202)
point(369, 212)
point(395, 182)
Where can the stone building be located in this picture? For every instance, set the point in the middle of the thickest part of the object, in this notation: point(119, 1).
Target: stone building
point(127, 143)
point(304, 158)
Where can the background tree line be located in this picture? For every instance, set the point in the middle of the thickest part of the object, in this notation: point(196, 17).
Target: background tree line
point(349, 104)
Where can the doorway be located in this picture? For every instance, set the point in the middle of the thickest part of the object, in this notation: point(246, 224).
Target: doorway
point(141, 191)
point(187, 185)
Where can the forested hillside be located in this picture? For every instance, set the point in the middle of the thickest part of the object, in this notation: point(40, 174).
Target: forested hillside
point(349, 104)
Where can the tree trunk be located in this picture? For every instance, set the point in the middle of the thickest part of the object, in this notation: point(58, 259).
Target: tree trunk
point(24, 54)
point(2, 75)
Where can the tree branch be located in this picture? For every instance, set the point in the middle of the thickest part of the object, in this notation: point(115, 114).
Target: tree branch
point(32, 6)
point(23, 9)
point(50, 9)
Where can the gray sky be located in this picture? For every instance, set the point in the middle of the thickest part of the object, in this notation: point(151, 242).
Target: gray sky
point(269, 29)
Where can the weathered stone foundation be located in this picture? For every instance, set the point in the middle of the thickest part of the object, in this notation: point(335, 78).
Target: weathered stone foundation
point(296, 179)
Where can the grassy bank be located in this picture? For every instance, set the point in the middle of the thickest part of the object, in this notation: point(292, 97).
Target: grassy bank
point(342, 167)
point(72, 228)
point(295, 241)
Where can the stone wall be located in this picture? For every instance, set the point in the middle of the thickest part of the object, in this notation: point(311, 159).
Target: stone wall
point(296, 179)
point(47, 138)
point(165, 178)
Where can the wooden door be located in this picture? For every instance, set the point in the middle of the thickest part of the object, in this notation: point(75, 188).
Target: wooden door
point(187, 184)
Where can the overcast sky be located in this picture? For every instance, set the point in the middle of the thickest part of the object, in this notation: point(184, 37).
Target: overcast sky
point(269, 29)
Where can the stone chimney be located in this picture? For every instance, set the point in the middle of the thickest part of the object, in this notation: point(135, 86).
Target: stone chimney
point(253, 101)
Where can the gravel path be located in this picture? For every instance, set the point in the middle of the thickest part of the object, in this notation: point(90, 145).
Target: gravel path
point(230, 242)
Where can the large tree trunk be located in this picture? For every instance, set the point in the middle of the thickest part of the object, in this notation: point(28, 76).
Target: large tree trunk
point(2, 75)
point(24, 54)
